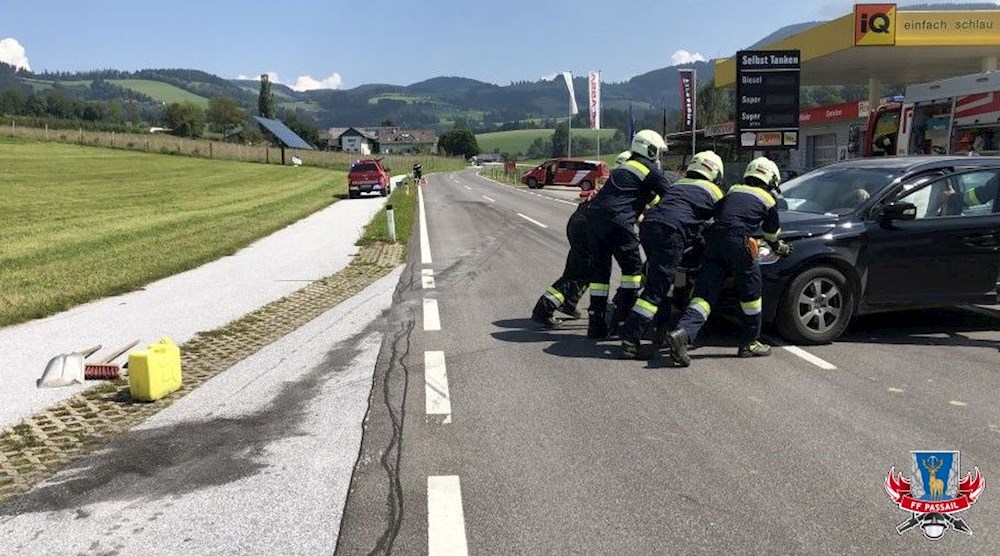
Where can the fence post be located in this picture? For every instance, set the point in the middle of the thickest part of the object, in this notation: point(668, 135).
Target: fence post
point(81, 135)
point(210, 150)
point(390, 216)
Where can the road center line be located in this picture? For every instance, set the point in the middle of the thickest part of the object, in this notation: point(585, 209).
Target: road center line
point(427, 278)
point(445, 518)
point(488, 199)
point(467, 187)
point(532, 220)
point(425, 241)
point(432, 320)
point(810, 358)
point(437, 399)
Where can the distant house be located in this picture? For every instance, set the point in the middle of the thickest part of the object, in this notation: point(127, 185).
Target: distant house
point(383, 140)
point(353, 140)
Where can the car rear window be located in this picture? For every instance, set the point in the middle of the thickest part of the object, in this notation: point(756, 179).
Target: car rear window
point(364, 168)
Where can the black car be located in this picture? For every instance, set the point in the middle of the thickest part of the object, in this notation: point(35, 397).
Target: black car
point(883, 234)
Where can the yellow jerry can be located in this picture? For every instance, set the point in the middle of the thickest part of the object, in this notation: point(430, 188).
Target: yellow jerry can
point(154, 372)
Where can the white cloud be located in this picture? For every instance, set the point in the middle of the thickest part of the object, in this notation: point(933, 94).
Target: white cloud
point(11, 52)
point(272, 76)
point(550, 77)
point(310, 83)
point(681, 57)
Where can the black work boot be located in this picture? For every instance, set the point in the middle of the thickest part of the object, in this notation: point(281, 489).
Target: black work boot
point(542, 313)
point(597, 326)
point(755, 349)
point(677, 343)
point(570, 311)
point(629, 350)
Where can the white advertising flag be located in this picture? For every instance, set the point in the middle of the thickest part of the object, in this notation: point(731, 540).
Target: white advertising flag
point(595, 100)
point(572, 96)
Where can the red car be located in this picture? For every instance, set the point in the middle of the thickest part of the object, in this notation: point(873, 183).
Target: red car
point(368, 176)
point(584, 174)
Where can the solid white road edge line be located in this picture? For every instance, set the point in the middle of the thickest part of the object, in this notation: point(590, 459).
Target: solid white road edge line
point(445, 518)
point(427, 278)
point(810, 358)
point(437, 399)
point(488, 199)
point(425, 241)
point(432, 320)
point(532, 220)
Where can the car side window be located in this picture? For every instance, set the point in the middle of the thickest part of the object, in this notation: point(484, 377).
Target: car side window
point(952, 195)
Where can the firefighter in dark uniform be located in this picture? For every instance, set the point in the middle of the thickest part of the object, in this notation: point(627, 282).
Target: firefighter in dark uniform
point(666, 229)
point(613, 214)
point(565, 293)
point(745, 207)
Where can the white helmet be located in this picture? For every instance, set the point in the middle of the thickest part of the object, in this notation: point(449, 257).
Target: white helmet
point(622, 157)
point(708, 165)
point(649, 144)
point(765, 170)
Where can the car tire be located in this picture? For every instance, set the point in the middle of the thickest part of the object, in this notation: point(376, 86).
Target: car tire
point(384, 191)
point(586, 185)
point(532, 183)
point(353, 194)
point(816, 307)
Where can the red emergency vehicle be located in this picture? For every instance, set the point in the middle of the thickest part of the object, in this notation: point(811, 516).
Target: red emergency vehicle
point(584, 174)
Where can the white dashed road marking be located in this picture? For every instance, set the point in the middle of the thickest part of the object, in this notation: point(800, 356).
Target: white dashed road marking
point(445, 518)
point(532, 220)
point(488, 199)
point(437, 400)
point(467, 187)
point(795, 350)
point(432, 320)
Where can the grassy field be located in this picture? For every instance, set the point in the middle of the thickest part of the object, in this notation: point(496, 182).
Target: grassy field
point(519, 140)
point(408, 99)
point(81, 223)
point(160, 91)
point(404, 202)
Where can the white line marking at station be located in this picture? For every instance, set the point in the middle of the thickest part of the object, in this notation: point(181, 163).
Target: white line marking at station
point(425, 241)
point(488, 199)
point(532, 220)
point(810, 358)
point(957, 403)
point(427, 278)
point(437, 397)
point(432, 320)
point(445, 518)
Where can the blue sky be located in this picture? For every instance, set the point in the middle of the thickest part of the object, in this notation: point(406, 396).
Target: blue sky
point(343, 44)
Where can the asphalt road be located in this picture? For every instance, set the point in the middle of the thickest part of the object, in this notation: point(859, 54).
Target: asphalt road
point(486, 435)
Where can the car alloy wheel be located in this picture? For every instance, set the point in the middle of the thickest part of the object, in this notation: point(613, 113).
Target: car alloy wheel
point(816, 307)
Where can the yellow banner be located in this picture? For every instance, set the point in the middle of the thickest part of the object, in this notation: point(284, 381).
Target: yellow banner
point(967, 28)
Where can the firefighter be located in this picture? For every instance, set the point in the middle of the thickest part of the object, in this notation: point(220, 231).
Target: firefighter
point(565, 293)
point(666, 229)
point(613, 213)
point(744, 208)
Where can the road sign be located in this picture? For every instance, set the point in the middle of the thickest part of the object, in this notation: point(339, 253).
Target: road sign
point(767, 98)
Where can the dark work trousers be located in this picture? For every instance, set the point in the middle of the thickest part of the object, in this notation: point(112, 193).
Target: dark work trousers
point(569, 288)
point(605, 240)
point(726, 253)
point(629, 258)
point(664, 247)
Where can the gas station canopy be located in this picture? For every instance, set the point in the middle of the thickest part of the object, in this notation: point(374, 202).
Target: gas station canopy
point(879, 42)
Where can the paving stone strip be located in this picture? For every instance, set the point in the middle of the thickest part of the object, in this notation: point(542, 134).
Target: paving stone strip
point(44, 443)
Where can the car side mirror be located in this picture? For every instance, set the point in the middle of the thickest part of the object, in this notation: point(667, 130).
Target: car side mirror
point(899, 210)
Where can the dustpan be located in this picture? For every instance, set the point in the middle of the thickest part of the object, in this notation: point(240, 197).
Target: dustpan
point(65, 369)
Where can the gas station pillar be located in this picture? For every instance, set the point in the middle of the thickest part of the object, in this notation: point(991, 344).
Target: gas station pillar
point(874, 92)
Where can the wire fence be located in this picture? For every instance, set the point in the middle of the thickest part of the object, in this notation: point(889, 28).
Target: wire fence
point(168, 144)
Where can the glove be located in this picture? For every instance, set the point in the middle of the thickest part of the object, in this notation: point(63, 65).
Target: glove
point(781, 248)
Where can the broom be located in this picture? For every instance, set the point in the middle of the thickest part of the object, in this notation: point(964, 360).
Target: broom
point(104, 369)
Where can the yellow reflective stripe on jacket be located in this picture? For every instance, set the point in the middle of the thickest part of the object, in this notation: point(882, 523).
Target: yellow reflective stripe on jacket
point(702, 306)
point(708, 186)
point(764, 196)
point(555, 296)
point(656, 200)
point(636, 168)
point(772, 237)
point(751, 307)
point(599, 290)
point(630, 282)
point(645, 308)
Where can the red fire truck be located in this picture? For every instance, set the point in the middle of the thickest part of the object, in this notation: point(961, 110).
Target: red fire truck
point(960, 115)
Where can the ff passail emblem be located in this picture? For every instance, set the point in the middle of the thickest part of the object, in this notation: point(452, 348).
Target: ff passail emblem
point(934, 493)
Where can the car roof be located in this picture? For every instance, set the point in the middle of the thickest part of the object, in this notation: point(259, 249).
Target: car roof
point(917, 163)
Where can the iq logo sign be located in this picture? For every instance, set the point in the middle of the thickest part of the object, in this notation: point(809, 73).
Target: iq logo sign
point(874, 24)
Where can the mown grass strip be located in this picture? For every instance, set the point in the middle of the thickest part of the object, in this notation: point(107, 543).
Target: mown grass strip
point(404, 202)
point(81, 223)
